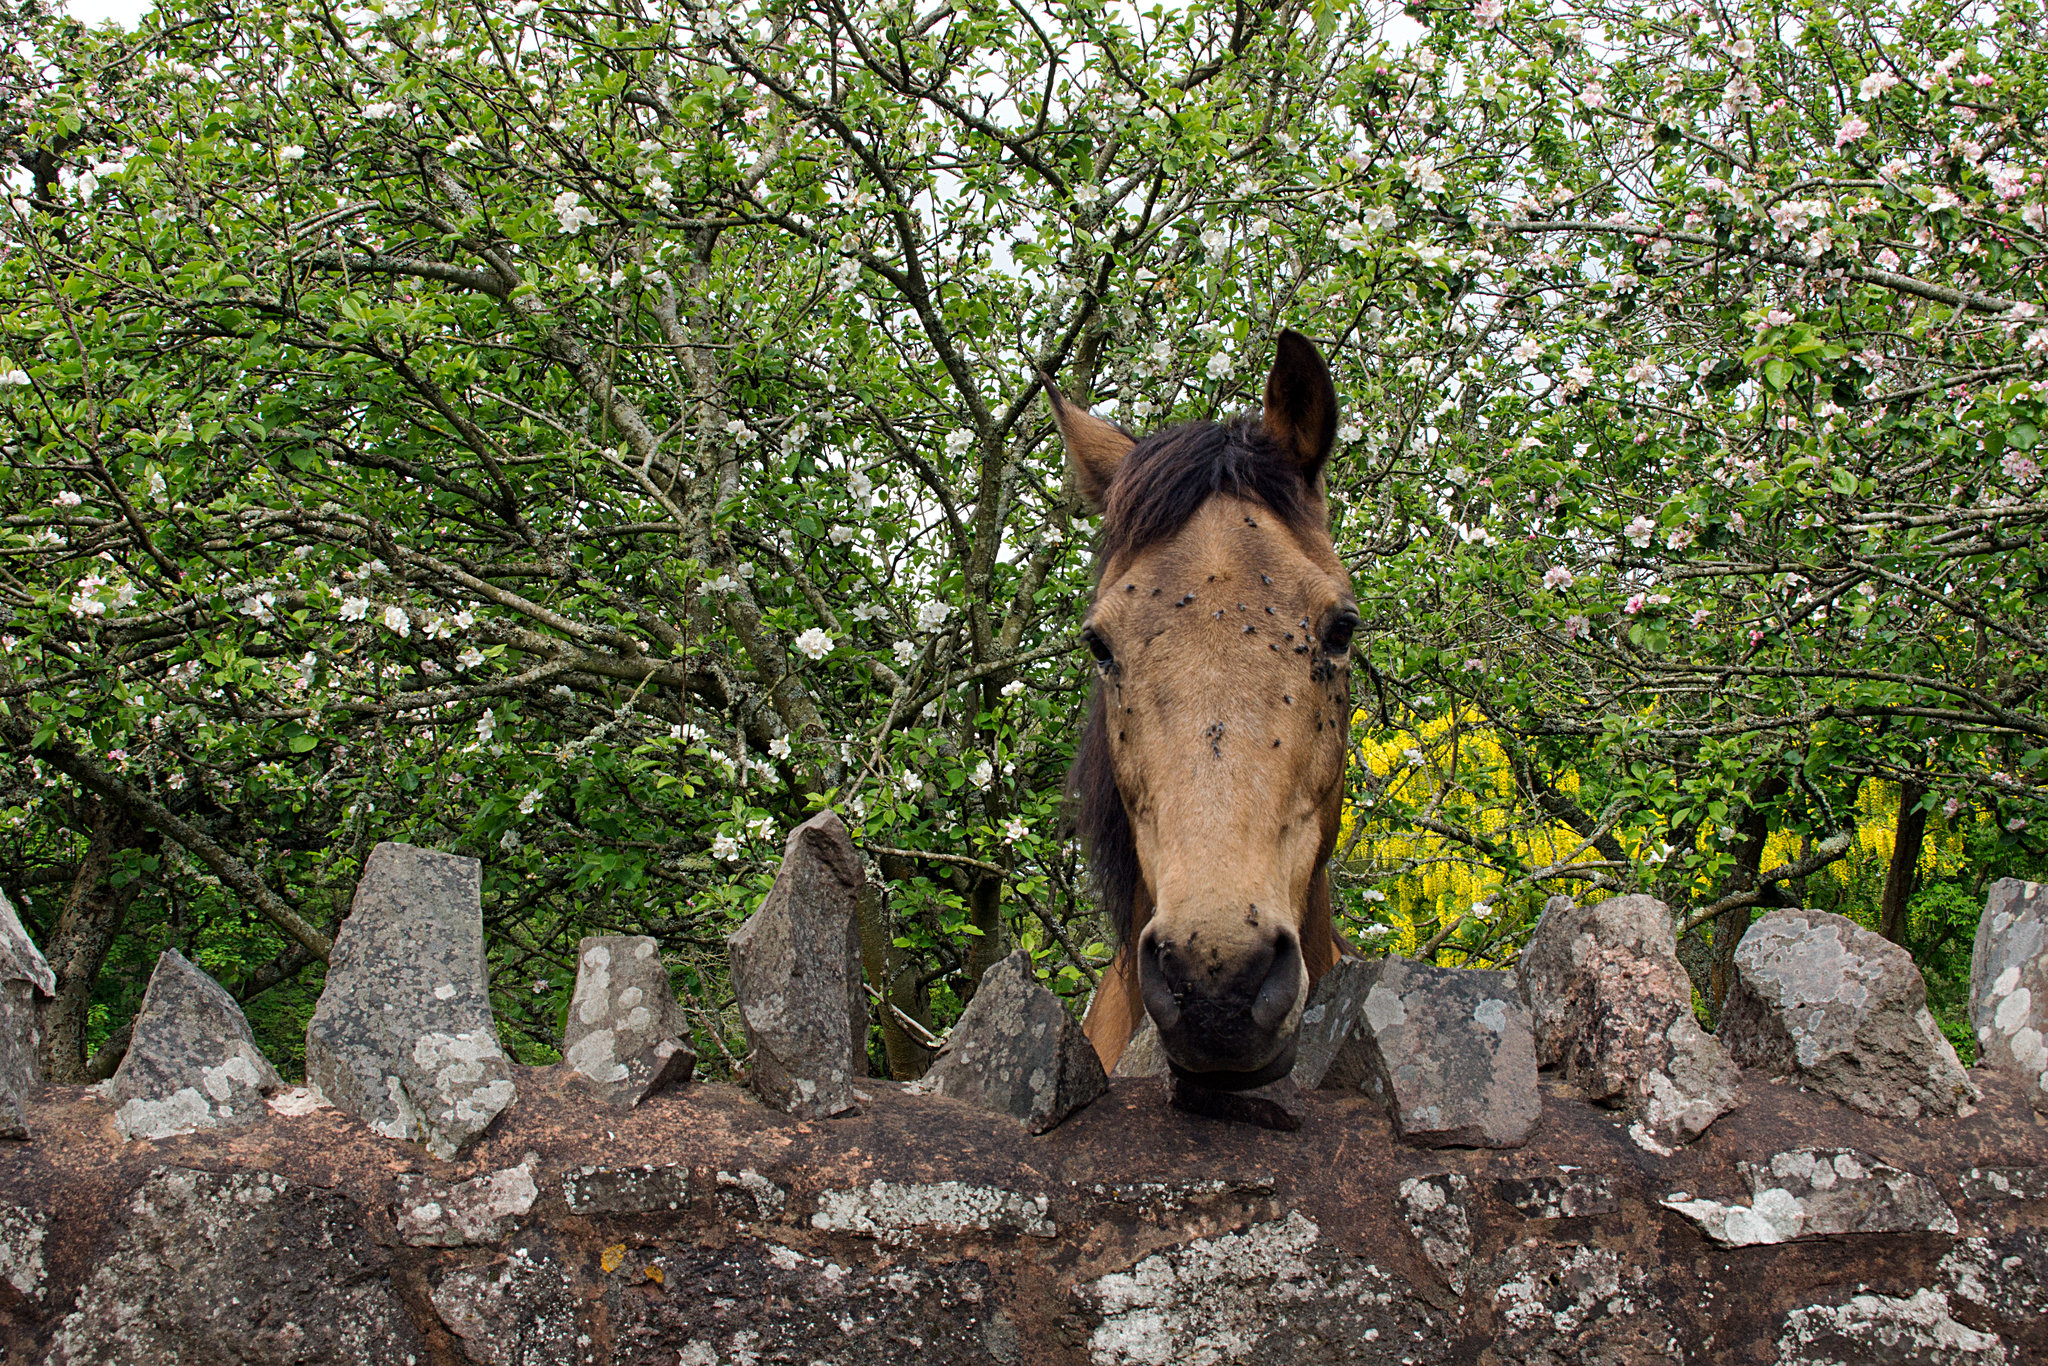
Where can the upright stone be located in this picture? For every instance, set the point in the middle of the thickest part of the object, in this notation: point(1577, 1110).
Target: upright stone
point(1017, 1051)
point(2009, 985)
point(403, 1037)
point(1610, 1002)
point(1819, 998)
point(192, 1062)
point(24, 974)
point(1329, 1050)
point(1143, 1056)
point(796, 973)
point(626, 1033)
point(1450, 1053)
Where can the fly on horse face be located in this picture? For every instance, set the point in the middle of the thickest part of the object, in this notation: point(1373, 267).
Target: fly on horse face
point(1211, 776)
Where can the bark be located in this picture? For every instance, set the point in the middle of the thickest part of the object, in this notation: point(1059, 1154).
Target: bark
point(1751, 836)
point(985, 909)
point(1909, 834)
point(894, 974)
point(86, 926)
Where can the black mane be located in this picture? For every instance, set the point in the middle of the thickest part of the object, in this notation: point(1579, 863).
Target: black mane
point(1159, 486)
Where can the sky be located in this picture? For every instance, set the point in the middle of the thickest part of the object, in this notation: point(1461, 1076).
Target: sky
point(126, 13)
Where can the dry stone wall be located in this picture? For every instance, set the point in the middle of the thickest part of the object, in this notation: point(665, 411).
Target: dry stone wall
point(1417, 1193)
point(706, 1227)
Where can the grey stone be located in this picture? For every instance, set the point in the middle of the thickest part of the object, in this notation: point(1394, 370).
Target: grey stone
point(626, 1190)
point(1449, 1052)
point(1435, 1212)
point(1999, 1184)
point(2006, 1277)
point(1558, 1304)
point(1276, 1105)
point(192, 1062)
point(1572, 1195)
point(796, 973)
point(2009, 985)
point(24, 975)
point(1610, 1002)
point(1267, 1294)
point(1820, 1193)
point(519, 1311)
point(626, 1034)
point(403, 1037)
point(1327, 1050)
point(238, 1267)
point(1819, 998)
point(1144, 1056)
point(1017, 1051)
point(437, 1213)
point(1881, 1330)
point(751, 1194)
point(903, 1213)
point(22, 1231)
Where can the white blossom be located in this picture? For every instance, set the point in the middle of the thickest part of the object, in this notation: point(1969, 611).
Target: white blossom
point(778, 748)
point(486, 727)
point(905, 653)
point(1014, 687)
point(1639, 531)
point(1218, 366)
point(291, 153)
point(725, 847)
point(470, 658)
point(66, 499)
point(1214, 240)
point(570, 213)
point(1013, 830)
point(814, 643)
point(354, 609)
point(529, 802)
point(397, 622)
point(14, 379)
point(932, 614)
point(984, 773)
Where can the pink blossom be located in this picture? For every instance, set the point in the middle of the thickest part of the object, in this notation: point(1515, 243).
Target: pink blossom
point(1633, 605)
point(1557, 576)
point(1982, 79)
point(1489, 13)
point(1887, 260)
point(1853, 129)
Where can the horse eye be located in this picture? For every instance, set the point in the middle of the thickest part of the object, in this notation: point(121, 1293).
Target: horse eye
point(1097, 646)
point(1337, 635)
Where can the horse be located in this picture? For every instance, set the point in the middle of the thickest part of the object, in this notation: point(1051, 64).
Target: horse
point(1209, 782)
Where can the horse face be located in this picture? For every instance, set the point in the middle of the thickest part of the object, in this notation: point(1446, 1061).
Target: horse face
point(1223, 707)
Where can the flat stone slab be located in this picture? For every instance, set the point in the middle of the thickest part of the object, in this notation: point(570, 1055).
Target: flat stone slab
point(1434, 1210)
point(1819, 998)
point(626, 1034)
point(1916, 1330)
point(1568, 1195)
point(796, 973)
point(2009, 985)
point(24, 976)
point(238, 1267)
point(1276, 1105)
point(1820, 1193)
point(192, 1061)
point(1981, 1184)
point(900, 1213)
point(1449, 1052)
point(1610, 1003)
point(403, 1037)
point(437, 1213)
point(1017, 1051)
point(644, 1189)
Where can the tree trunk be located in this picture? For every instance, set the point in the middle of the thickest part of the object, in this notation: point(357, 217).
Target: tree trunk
point(894, 974)
point(1751, 835)
point(985, 906)
point(1909, 834)
point(92, 916)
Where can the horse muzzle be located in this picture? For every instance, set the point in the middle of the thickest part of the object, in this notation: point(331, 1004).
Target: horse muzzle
point(1226, 1022)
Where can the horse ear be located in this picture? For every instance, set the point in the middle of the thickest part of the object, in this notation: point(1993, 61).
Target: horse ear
point(1301, 403)
point(1094, 447)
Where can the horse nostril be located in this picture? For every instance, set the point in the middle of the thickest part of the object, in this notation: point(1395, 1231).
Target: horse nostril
point(1282, 985)
point(1159, 983)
